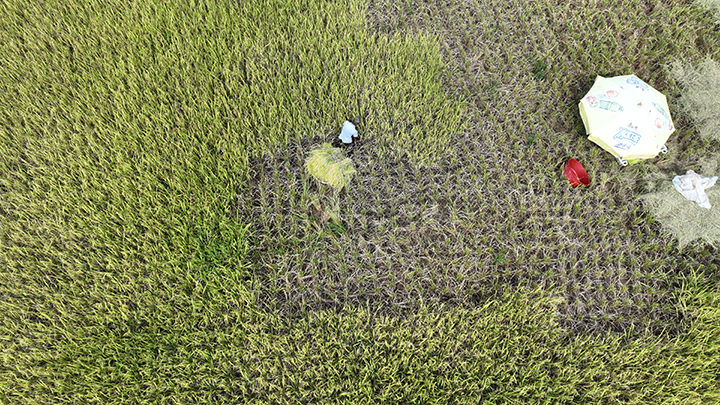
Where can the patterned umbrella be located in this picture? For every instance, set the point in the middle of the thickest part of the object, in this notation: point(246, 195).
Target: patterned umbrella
point(627, 118)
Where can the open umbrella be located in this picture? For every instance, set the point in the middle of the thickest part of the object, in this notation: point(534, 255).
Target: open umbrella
point(627, 118)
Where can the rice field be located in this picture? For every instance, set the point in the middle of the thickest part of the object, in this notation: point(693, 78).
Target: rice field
point(163, 241)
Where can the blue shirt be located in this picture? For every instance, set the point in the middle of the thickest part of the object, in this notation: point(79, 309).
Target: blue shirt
point(348, 131)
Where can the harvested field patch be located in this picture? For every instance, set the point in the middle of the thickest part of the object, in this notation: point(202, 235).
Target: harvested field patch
point(496, 211)
point(456, 235)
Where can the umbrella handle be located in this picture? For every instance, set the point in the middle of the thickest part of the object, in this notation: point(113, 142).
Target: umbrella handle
point(663, 150)
point(622, 162)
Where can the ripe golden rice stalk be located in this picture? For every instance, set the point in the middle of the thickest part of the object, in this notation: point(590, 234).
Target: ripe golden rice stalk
point(330, 165)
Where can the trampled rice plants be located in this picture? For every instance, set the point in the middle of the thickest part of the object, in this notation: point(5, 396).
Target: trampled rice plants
point(713, 6)
point(700, 82)
point(683, 219)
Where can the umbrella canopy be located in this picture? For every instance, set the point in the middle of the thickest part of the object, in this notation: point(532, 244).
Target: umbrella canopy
point(626, 117)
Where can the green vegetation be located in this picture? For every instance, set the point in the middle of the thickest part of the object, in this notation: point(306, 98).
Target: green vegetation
point(158, 232)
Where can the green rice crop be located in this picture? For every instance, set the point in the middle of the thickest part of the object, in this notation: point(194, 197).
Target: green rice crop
point(510, 349)
point(330, 165)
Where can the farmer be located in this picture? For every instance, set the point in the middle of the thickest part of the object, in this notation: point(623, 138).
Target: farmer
point(348, 135)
